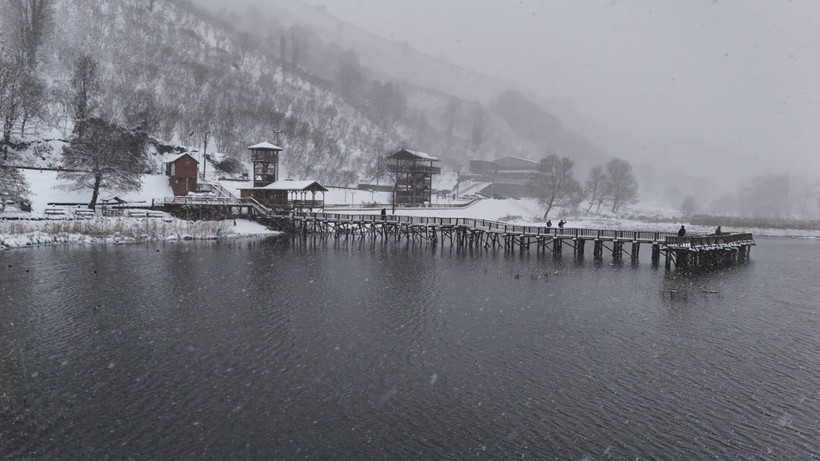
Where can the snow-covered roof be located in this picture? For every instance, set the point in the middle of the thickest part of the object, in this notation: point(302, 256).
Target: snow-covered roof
point(423, 155)
point(287, 184)
point(265, 146)
point(517, 159)
point(174, 158)
point(413, 153)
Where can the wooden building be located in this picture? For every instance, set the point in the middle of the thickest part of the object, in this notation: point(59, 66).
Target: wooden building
point(288, 195)
point(517, 165)
point(265, 159)
point(412, 173)
point(507, 177)
point(182, 171)
point(483, 166)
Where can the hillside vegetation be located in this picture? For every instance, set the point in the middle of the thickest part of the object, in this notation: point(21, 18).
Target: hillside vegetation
point(184, 75)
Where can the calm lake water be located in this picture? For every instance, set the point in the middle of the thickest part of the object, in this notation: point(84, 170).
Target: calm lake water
point(273, 349)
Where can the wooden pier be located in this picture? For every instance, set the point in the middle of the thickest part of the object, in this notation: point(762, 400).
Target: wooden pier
point(686, 253)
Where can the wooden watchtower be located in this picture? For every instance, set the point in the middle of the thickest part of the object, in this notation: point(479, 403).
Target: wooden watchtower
point(413, 173)
point(265, 159)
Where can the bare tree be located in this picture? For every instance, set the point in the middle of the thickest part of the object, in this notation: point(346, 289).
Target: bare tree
point(554, 183)
point(479, 126)
point(595, 186)
point(11, 76)
point(27, 23)
point(349, 75)
point(688, 206)
point(33, 94)
point(621, 185)
point(102, 155)
point(767, 196)
point(452, 116)
point(86, 84)
point(388, 103)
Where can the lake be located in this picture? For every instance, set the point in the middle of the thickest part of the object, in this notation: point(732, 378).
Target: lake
point(281, 349)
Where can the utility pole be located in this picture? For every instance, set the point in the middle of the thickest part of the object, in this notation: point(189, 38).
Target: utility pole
point(378, 169)
point(205, 154)
point(458, 178)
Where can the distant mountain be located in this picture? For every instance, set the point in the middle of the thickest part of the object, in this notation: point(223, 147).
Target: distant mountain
point(335, 96)
point(386, 58)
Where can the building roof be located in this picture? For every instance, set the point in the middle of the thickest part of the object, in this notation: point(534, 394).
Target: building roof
point(265, 146)
point(412, 153)
point(516, 163)
point(287, 184)
point(174, 158)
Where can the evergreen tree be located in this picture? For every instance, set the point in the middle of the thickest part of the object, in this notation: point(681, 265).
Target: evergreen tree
point(13, 188)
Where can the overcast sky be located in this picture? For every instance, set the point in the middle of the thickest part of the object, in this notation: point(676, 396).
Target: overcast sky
point(722, 81)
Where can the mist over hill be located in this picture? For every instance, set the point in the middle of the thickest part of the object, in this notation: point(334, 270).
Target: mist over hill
point(334, 96)
point(175, 69)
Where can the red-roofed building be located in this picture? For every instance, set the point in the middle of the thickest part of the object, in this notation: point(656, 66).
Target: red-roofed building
point(182, 171)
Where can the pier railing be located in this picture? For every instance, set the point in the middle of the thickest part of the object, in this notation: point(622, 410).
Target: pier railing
point(493, 226)
point(709, 240)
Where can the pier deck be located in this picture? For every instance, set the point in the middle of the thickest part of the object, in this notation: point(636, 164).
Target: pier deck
point(689, 252)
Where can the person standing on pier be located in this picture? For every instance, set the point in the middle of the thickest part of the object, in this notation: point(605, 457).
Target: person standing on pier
point(549, 223)
point(718, 231)
point(384, 214)
point(681, 231)
point(561, 225)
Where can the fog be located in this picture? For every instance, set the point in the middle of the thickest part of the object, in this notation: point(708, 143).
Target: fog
point(703, 93)
point(729, 85)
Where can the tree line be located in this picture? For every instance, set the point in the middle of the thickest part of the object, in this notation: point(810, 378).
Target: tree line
point(613, 184)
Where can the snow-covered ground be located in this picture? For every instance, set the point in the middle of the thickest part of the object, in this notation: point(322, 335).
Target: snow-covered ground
point(38, 227)
point(46, 189)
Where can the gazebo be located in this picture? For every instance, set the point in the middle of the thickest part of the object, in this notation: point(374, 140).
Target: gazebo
point(288, 194)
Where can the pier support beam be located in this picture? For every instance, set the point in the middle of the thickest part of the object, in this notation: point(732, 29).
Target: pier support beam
point(598, 250)
point(656, 253)
point(579, 247)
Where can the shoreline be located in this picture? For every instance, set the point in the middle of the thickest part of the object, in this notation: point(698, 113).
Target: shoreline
point(18, 234)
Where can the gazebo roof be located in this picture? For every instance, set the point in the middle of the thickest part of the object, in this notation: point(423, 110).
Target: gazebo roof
point(265, 146)
point(290, 185)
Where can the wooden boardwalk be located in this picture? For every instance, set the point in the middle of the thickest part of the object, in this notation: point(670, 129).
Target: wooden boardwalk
point(689, 252)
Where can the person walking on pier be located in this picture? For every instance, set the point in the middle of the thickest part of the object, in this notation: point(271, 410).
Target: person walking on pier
point(681, 231)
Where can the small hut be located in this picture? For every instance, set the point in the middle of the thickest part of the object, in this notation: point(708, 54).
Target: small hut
point(288, 195)
point(182, 171)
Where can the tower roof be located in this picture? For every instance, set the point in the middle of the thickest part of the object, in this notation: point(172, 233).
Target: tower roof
point(265, 146)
